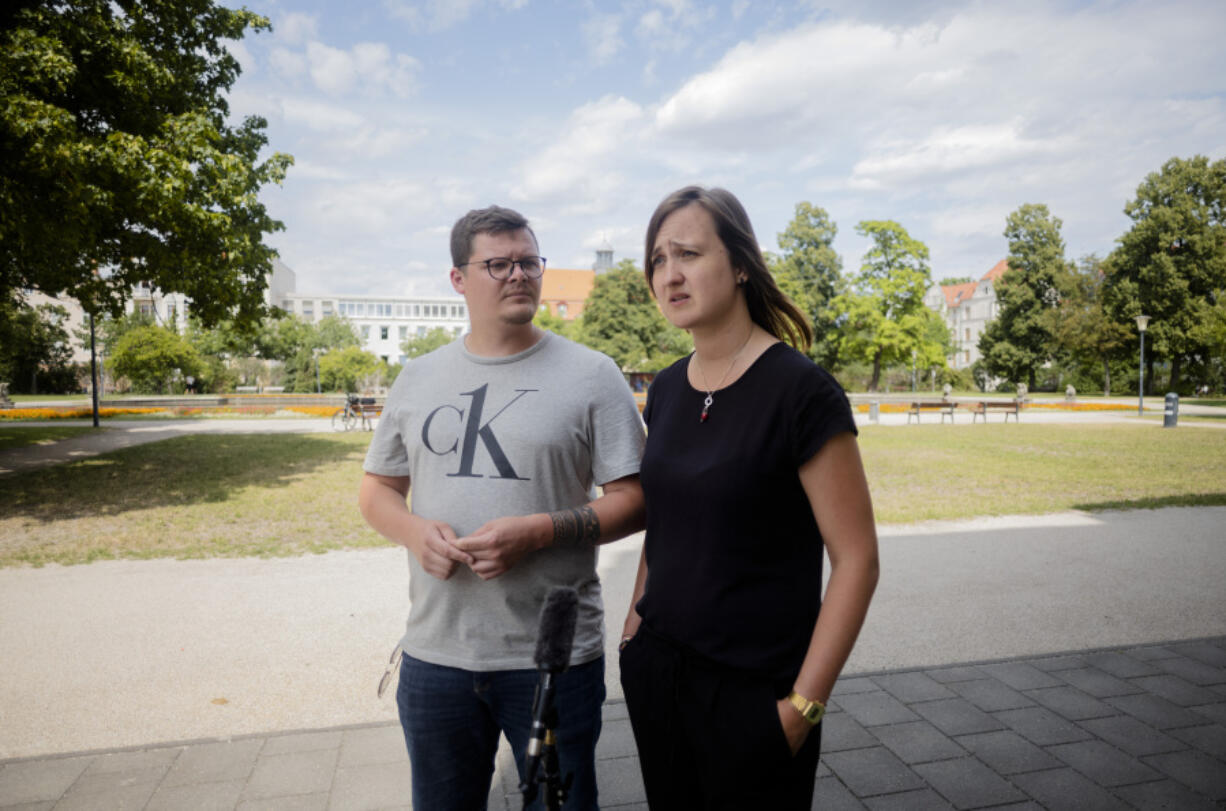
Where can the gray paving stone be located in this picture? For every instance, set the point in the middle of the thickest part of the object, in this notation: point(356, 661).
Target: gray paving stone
point(1021, 676)
point(868, 772)
point(1192, 670)
point(142, 762)
point(1041, 726)
point(43, 806)
point(967, 783)
point(1177, 690)
point(302, 742)
point(108, 782)
point(301, 802)
point(1071, 703)
point(1103, 763)
point(841, 732)
point(372, 745)
point(620, 782)
point(197, 796)
point(947, 675)
point(1156, 711)
point(957, 716)
point(909, 687)
point(1165, 794)
point(829, 794)
point(1132, 736)
point(878, 707)
point(1210, 739)
point(1007, 753)
point(119, 796)
point(922, 800)
point(1121, 665)
point(291, 774)
point(1214, 712)
point(616, 740)
point(1098, 683)
point(214, 762)
point(856, 684)
point(1206, 652)
point(1151, 653)
point(614, 711)
point(918, 742)
point(991, 695)
point(1195, 770)
point(1052, 663)
point(374, 786)
point(39, 780)
point(1065, 790)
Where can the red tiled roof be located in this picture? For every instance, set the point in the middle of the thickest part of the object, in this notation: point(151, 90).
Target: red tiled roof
point(996, 272)
point(955, 294)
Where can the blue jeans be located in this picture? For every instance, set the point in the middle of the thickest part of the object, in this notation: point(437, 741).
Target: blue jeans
point(452, 719)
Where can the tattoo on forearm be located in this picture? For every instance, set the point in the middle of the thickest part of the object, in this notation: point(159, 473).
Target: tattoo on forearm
point(579, 525)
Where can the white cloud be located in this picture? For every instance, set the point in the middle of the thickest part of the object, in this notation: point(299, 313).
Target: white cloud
point(438, 15)
point(319, 116)
point(374, 142)
point(368, 66)
point(288, 64)
point(240, 52)
point(578, 169)
point(601, 37)
point(296, 28)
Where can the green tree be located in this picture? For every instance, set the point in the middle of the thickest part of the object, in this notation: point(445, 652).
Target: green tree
point(886, 321)
point(951, 280)
point(809, 272)
point(1080, 328)
point(555, 324)
point(34, 348)
point(348, 369)
point(154, 358)
point(117, 164)
point(1018, 341)
point(422, 344)
point(1171, 264)
point(621, 319)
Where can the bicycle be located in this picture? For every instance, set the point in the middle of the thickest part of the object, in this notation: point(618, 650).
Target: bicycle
point(348, 417)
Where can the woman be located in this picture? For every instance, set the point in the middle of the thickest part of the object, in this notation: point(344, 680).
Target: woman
point(751, 466)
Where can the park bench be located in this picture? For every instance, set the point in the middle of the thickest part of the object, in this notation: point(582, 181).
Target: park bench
point(368, 410)
point(944, 406)
point(981, 409)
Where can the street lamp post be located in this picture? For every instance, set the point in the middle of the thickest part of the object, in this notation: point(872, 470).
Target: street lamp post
point(1142, 323)
point(315, 352)
point(93, 369)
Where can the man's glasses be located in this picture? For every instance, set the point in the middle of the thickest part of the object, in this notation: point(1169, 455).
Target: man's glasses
point(500, 267)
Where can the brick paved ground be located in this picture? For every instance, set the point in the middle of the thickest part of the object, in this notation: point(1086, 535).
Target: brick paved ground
point(1141, 727)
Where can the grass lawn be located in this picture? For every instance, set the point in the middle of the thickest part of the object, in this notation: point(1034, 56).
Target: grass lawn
point(12, 436)
point(289, 494)
point(922, 472)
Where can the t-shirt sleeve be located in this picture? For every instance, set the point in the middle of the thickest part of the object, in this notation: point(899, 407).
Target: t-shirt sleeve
point(820, 410)
point(387, 454)
point(616, 428)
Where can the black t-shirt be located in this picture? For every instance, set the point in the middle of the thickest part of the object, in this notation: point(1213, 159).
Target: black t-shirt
point(734, 555)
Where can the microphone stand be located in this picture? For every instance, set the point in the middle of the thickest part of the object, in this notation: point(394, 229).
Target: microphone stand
point(543, 751)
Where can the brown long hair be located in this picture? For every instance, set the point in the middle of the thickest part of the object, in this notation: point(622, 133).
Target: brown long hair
point(768, 306)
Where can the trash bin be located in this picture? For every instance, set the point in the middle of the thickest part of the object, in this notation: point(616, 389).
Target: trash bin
point(874, 411)
point(1171, 415)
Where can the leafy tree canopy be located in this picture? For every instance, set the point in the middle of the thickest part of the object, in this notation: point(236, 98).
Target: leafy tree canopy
point(1171, 264)
point(423, 344)
point(886, 321)
point(621, 319)
point(153, 358)
point(1019, 340)
point(348, 369)
point(34, 348)
point(809, 272)
point(1081, 329)
point(955, 280)
point(118, 165)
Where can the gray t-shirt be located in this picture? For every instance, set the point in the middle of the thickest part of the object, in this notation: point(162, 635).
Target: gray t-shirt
point(482, 438)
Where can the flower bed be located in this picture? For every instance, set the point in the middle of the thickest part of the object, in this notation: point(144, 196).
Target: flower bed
point(71, 413)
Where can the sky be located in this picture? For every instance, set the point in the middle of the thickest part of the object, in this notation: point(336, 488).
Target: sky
point(943, 116)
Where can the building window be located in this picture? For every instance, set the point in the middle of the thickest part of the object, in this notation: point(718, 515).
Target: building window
point(287, 305)
point(383, 335)
point(462, 314)
point(421, 331)
point(968, 333)
point(404, 333)
point(967, 356)
point(562, 310)
point(326, 308)
point(416, 309)
point(365, 332)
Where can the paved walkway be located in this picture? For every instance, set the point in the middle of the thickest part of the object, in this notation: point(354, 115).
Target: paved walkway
point(1135, 727)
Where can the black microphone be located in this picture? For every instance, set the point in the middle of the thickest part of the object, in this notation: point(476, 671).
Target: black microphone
point(554, 641)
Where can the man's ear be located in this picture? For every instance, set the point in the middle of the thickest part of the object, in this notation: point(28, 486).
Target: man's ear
point(458, 280)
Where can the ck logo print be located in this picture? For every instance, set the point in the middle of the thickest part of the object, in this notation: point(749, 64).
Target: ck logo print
point(434, 438)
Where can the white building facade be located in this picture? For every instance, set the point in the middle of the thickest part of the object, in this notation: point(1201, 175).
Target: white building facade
point(967, 308)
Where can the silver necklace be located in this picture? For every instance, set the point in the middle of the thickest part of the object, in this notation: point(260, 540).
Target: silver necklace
point(710, 398)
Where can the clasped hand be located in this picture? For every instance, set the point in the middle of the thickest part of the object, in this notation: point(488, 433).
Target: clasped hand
point(491, 550)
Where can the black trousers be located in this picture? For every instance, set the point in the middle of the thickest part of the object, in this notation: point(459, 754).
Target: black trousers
point(709, 736)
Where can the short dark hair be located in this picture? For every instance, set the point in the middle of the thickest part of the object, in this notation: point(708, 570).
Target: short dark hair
point(768, 306)
point(491, 220)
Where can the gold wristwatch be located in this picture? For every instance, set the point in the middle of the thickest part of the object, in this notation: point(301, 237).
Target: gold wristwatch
point(811, 711)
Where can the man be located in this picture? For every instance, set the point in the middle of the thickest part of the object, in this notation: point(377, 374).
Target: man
point(501, 438)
